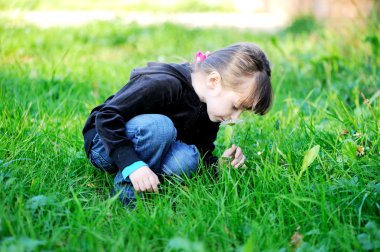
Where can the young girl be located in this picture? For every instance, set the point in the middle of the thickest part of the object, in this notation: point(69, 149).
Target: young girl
point(166, 118)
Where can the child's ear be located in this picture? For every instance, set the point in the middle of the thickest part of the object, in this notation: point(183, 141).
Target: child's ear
point(214, 80)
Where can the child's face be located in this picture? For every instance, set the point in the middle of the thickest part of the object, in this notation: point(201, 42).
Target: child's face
point(225, 104)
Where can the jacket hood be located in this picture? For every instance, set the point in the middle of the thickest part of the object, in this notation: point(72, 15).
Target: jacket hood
point(180, 71)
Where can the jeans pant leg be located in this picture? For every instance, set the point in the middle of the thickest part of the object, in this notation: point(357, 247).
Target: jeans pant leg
point(181, 160)
point(99, 158)
point(152, 136)
point(154, 141)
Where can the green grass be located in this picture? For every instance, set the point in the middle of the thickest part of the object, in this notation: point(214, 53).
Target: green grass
point(52, 199)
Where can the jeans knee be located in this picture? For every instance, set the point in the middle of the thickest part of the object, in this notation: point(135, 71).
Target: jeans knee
point(164, 128)
point(155, 127)
point(182, 160)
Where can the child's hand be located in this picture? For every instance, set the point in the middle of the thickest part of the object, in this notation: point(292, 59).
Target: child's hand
point(144, 179)
point(236, 154)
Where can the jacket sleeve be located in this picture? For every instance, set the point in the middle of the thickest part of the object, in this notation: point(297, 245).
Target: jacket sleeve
point(206, 136)
point(141, 95)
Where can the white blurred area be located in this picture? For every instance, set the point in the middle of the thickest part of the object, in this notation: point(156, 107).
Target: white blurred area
point(255, 15)
point(289, 8)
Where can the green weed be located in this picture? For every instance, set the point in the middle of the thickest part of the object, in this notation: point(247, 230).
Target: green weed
point(312, 170)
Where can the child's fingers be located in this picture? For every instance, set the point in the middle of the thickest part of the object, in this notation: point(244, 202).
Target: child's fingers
point(135, 186)
point(238, 152)
point(237, 162)
point(139, 186)
point(148, 185)
point(233, 148)
point(153, 183)
point(230, 151)
point(142, 186)
point(144, 179)
point(157, 180)
point(241, 163)
point(155, 188)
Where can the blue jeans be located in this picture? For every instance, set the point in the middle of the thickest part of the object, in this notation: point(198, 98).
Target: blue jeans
point(154, 140)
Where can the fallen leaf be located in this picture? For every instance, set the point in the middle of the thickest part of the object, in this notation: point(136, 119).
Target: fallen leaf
point(360, 150)
point(296, 240)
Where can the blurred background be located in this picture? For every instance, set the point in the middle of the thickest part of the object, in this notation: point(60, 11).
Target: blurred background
point(259, 15)
point(60, 58)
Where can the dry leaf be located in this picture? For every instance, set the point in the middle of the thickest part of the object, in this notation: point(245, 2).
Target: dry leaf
point(344, 132)
point(360, 150)
point(297, 239)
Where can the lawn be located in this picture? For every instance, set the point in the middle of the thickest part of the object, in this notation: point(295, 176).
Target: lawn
point(312, 181)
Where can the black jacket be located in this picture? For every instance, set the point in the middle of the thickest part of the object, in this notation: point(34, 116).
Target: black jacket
point(156, 89)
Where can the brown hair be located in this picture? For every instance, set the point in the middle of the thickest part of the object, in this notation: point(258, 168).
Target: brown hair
point(239, 61)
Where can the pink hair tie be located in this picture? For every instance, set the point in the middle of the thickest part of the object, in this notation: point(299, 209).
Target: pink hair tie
point(200, 56)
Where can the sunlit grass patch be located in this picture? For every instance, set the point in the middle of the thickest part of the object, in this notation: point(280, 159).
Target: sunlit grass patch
point(311, 180)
